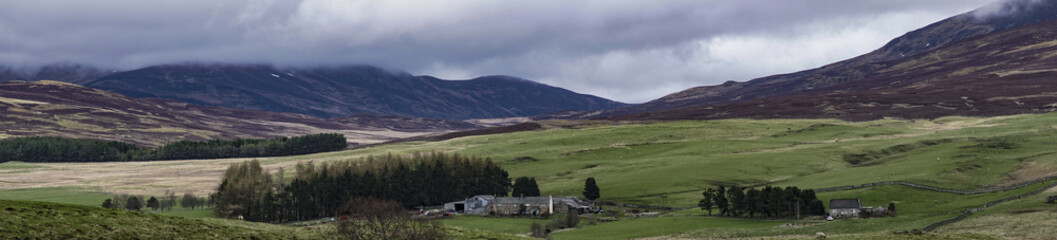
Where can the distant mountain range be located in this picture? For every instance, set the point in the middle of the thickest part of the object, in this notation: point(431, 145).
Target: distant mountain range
point(971, 64)
point(152, 105)
point(51, 108)
point(329, 91)
point(974, 64)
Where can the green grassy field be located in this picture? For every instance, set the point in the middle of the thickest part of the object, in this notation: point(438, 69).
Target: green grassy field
point(75, 196)
point(1026, 218)
point(24, 219)
point(67, 195)
point(670, 163)
point(501, 225)
point(660, 226)
point(42, 220)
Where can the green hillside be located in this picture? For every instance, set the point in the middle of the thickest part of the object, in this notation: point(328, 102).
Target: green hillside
point(39, 220)
point(669, 163)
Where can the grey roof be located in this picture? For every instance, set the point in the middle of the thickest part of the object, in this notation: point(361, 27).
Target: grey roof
point(570, 200)
point(845, 203)
point(523, 200)
point(485, 197)
point(573, 202)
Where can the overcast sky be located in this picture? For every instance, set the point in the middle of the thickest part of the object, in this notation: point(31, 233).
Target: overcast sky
point(626, 50)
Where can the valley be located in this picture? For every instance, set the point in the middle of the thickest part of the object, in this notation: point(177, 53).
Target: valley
point(944, 132)
point(670, 163)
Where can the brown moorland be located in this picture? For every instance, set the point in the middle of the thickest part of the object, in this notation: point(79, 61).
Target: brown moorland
point(1005, 73)
point(51, 108)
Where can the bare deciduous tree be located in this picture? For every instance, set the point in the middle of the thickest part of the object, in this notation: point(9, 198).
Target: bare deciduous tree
point(380, 219)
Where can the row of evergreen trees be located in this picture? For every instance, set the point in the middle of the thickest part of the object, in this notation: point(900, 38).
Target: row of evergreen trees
point(770, 202)
point(165, 203)
point(249, 192)
point(57, 149)
point(524, 187)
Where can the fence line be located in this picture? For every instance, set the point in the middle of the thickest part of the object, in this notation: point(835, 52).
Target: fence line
point(937, 189)
point(965, 214)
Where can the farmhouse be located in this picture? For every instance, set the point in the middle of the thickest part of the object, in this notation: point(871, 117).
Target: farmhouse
point(845, 208)
point(490, 205)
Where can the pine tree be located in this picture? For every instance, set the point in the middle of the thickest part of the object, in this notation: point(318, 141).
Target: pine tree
point(752, 204)
point(816, 208)
point(520, 186)
point(738, 204)
point(525, 187)
point(153, 204)
point(532, 189)
point(720, 198)
point(708, 200)
point(591, 191)
point(108, 203)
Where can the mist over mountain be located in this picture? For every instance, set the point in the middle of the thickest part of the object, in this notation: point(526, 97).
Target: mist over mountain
point(66, 72)
point(973, 64)
point(348, 90)
point(997, 17)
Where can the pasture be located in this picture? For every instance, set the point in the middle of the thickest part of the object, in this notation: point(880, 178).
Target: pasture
point(670, 163)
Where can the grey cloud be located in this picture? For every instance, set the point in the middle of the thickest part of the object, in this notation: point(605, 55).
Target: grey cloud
point(626, 50)
point(1004, 8)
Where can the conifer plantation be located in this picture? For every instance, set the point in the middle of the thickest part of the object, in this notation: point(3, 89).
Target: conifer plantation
point(56, 149)
point(770, 202)
point(317, 191)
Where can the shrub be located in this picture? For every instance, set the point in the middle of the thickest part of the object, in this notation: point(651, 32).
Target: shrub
point(381, 219)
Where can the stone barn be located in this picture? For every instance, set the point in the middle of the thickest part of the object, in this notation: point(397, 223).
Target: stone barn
point(845, 208)
point(507, 206)
point(478, 205)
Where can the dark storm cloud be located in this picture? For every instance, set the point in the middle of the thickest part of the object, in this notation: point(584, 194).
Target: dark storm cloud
point(627, 50)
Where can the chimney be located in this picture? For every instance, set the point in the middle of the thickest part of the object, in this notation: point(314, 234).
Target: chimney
point(550, 204)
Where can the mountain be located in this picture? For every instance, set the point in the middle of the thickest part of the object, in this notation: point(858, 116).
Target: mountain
point(344, 91)
point(65, 72)
point(51, 108)
point(1002, 73)
point(998, 17)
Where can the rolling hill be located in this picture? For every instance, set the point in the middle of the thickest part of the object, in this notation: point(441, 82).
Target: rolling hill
point(344, 91)
point(1012, 15)
point(50, 108)
point(669, 163)
point(1004, 73)
point(41, 220)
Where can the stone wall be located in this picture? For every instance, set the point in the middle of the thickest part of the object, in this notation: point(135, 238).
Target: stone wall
point(937, 189)
point(965, 214)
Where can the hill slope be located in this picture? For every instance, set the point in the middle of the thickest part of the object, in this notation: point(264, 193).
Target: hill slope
point(48, 108)
point(37, 220)
point(65, 72)
point(1012, 15)
point(1004, 73)
point(668, 164)
point(344, 91)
